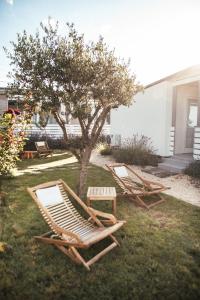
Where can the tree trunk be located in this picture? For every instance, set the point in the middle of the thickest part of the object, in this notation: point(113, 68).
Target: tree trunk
point(84, 162)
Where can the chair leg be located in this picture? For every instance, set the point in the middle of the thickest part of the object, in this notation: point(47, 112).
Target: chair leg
point(139, 201)
point(115, 240)
point(88, 263)
point(101, 254)
point(80, 258)
point(69, 253)
point(161, 199)
point(143, 204)
point(73, 253)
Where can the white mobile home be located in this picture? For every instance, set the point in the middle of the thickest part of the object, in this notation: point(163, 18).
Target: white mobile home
point(52, 129)
point(3, 101)
point(168, 112)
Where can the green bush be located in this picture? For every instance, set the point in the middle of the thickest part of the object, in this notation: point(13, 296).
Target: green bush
point(104, 149)
point(137, 151)
point(193, 169)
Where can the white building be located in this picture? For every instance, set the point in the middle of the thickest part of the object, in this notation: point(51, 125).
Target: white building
point(52, 129)
point(3, 100)
point(168, 112)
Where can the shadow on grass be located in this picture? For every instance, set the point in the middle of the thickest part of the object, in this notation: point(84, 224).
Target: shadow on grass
point(159, 257)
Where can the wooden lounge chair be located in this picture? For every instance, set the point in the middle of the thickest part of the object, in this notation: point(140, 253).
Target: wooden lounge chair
point(43, 149)
point(136, 187)
point(71, 231)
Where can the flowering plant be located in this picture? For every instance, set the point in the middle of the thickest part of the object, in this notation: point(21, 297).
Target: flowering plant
point(12, 140)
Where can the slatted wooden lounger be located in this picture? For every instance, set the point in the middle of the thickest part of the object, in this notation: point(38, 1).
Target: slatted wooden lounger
point(43, 149)
point(136, 187)
point(70, 230)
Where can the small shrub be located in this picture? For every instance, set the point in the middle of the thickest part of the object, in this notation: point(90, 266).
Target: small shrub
point(193, 169)
point(104, 149)
point(137, 151)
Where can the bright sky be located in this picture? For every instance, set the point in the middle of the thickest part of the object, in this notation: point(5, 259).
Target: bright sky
point(160, 37)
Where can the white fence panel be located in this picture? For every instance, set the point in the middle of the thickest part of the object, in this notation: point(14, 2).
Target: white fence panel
point(54, 130)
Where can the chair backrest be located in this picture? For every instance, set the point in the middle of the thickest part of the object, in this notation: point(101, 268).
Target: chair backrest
point(126, 178)
point(49, 196)
point(120, 171)
point(41, 146)
point(57, 208)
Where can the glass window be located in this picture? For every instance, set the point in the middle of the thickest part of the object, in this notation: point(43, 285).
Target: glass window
point(193, 114)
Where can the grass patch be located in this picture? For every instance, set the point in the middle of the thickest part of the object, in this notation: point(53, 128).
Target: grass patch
point(57, 155)
point(159, 257)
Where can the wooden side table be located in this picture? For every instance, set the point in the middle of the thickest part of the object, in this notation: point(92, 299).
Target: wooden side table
point(29, 154)
point(102, 193)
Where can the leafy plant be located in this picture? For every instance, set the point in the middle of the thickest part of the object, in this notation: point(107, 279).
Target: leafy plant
point(104, 149)
point(138, 151)
point(12, 140)
point(193, 169)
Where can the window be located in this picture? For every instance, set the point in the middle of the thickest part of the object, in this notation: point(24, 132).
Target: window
point(192, 115)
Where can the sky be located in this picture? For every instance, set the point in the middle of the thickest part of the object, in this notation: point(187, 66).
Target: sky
point(160, 37)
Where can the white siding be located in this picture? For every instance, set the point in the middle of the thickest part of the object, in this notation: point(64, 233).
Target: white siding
point(54, 130)
point(150, 115)
point(3, 104)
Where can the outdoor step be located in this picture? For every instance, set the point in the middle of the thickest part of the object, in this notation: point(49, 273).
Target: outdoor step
point(186, 158)
point(175, 168)
point(176, 162)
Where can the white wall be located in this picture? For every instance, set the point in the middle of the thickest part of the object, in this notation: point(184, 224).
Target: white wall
point(150, 115)
point(3, 104)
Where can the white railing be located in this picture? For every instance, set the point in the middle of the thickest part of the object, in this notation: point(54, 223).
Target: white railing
point(55, 131)
point(196, 146)
point(172, 141)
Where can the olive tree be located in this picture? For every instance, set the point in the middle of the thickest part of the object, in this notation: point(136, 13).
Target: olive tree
point(86, 78)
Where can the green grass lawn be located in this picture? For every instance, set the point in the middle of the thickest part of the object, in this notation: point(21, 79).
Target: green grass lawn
point(59, 154)
point(159, 257)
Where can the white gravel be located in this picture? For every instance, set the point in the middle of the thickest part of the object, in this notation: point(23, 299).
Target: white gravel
point(180, 185)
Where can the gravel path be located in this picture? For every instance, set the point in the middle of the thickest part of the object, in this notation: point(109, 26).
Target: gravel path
point(181, 186)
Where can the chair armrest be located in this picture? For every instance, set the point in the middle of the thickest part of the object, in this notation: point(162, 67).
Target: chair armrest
point(103, 214)
point(148, 182)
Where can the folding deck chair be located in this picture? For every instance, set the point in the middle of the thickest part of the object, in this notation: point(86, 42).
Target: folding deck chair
point(43, 149)
point(136, 187)
point(71, 231)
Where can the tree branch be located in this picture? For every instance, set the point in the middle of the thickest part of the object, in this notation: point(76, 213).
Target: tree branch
point(98, 120)
point(83, 128)
point(102, 122)
point(62, 125)
point(91, 119)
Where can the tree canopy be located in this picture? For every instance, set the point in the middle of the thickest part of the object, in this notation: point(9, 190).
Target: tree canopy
point(84, 77)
